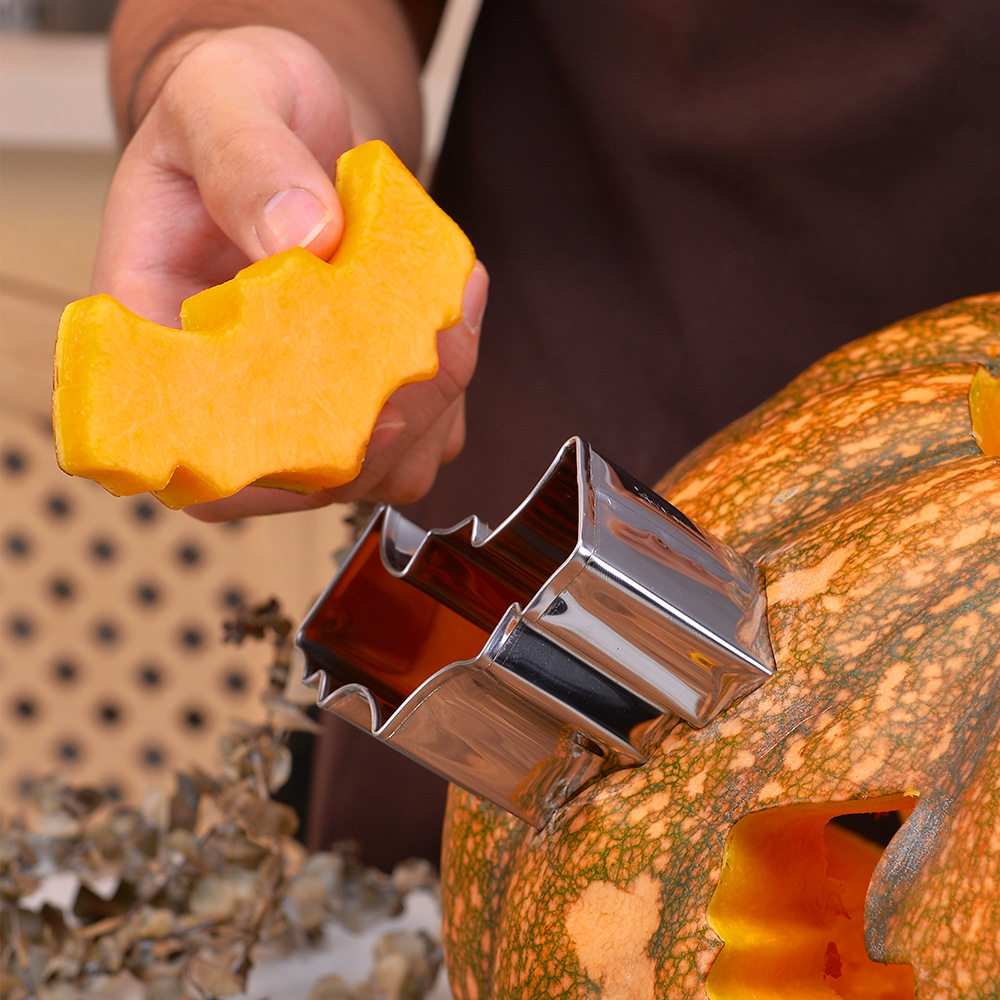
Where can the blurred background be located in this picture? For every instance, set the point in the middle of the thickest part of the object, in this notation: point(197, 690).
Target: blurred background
point(113, 669)
point(113, 672)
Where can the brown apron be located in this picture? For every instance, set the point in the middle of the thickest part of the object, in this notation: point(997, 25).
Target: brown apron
point(681, 205)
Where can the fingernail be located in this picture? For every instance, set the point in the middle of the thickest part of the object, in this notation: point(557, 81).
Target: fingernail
point(474, 299)
point(292, 218)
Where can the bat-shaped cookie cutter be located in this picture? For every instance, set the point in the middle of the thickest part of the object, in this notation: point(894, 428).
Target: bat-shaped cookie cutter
point(523, 662)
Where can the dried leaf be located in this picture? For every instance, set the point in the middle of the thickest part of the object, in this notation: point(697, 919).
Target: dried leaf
point(165, 987)
point(212, 976)
point(415, 873)
point(331, 988)
point(154, 922)
point(287, 715)
point(109, 925)
point(268, 818)
point(155, 808)
point(221, 895)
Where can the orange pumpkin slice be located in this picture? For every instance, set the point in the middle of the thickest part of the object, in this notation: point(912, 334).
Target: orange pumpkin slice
point(276, 376)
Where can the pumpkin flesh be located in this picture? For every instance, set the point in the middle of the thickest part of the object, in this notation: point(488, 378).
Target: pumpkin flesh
point(984, 411)
point(790, 908)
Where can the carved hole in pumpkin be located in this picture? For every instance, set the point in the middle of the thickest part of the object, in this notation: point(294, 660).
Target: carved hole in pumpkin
point(789, 905)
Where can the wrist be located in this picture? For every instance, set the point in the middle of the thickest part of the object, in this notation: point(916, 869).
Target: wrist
point(152, 73)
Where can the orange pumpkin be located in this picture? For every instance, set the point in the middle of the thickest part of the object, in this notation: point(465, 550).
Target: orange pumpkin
point(865, 493)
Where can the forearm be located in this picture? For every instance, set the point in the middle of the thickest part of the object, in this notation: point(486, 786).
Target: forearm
point(374, 47)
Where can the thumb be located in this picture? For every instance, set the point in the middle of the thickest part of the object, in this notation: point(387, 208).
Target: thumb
point(295, 217)
point(232, 163)
point(260, 118)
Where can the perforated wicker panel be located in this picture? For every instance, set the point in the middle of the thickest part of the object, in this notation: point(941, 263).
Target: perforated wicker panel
point(112, 666)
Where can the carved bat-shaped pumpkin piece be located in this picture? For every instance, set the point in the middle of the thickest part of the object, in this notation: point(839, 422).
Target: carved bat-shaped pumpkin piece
point(276, 376)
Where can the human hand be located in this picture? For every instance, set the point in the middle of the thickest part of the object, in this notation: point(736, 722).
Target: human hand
point(232, 162)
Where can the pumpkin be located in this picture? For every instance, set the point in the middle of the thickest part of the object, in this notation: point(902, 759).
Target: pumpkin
point(723, 865)
point(278, 375)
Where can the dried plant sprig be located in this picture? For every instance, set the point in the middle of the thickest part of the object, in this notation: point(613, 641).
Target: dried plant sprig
point(173, 896)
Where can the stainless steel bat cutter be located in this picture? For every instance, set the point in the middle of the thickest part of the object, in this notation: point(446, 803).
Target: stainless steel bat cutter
point(525, 661)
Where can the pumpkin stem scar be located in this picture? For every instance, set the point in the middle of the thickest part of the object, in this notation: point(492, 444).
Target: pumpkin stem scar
point(610, 929)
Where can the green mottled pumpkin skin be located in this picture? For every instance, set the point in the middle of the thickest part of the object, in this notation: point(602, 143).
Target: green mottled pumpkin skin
point(862, 493)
